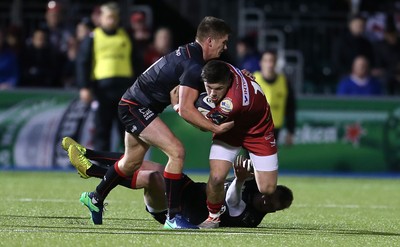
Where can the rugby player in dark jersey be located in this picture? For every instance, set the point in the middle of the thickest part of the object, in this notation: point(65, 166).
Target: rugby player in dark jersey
point(149, 96)
point(245, 205)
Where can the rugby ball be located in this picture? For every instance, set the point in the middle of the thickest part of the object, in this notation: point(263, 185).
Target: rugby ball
point(204, 104)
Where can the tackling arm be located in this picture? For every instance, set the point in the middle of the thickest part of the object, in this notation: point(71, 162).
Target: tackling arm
point(233, 199)
point(187, 110)
point(243, 171)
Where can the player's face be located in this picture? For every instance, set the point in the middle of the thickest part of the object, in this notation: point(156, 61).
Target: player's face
point(218, 46)
point(266, 203)
point(216, 91)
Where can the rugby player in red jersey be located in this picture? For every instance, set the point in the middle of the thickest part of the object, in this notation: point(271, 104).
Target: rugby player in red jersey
point(240, 99)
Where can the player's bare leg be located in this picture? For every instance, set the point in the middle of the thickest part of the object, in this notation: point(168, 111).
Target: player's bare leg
point(159, 135)
point(152, 181)
point(215, 192)
point(265, 172)
point(266, 181)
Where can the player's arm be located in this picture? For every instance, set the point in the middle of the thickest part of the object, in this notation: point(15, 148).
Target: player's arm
point(188, 111)
point(233, 198)
point(242, 168)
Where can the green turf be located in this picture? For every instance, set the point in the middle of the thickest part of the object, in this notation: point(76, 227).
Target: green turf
point(43, 209)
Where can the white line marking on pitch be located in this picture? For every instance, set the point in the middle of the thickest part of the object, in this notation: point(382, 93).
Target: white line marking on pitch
point(340, 206)
point(349, 206)
point(163, 232)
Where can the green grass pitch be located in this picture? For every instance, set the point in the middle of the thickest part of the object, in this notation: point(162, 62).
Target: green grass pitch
point(43, 209)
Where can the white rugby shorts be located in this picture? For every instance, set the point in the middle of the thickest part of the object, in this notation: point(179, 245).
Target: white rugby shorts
point(222, 151)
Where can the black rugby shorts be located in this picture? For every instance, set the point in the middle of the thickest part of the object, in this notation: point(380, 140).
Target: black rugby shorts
point(134, 116)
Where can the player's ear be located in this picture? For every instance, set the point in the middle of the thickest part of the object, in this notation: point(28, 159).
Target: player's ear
point(209, 41)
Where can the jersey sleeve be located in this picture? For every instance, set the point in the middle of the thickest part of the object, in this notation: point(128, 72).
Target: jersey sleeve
point(191, 76)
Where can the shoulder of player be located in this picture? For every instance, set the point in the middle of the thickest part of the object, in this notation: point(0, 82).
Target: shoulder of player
point(185, 57)
point(192, 52)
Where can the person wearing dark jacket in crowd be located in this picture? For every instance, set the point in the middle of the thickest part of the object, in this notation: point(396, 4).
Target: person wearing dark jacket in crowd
point(350, 45)
point(41, 62)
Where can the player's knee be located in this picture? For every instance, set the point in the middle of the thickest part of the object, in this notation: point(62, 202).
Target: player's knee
point(216, 180)
point(267, 189)
point(129, 166)
point(156, 179)
point(177, 155)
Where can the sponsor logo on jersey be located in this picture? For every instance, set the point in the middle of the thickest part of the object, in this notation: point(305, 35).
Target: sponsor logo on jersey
point(178, 52)
point(226, 105)
point(245, 87)
point(134, 128)
point(271, 139)
point(245, 93)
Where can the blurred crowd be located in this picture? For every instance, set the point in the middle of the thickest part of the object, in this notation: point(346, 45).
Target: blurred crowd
point(46, 58)
point(365, 59)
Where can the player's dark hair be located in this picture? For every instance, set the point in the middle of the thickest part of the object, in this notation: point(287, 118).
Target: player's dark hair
point(285, 196)
point(212, 27)
point(216, 71)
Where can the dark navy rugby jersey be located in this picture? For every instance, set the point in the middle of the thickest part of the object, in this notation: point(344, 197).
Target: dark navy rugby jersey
point(180, 67)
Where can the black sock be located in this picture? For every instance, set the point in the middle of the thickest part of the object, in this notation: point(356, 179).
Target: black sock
point(96, 171)
point(173, 185)
point(160, 216)
point(186, 180)
point(99, 172)
point(103, 158)
point(110, 180)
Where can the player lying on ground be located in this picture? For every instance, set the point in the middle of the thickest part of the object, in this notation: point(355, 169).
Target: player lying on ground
point(245, 205)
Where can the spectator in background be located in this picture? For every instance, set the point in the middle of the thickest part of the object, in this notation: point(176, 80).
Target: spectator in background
point(95, 16)
point(375, 26)
point(13, 39)
point(8, 65)
point(68, 72)
point(83, 29)
point(104, 72)
point(247, 55)
point(161, 46)
point(351, 45)
point(141, 36)
point(40, 63)
point(280, 95)
point(58, 33)
point(359, 82)
point(388, 60)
